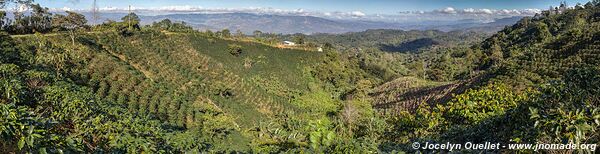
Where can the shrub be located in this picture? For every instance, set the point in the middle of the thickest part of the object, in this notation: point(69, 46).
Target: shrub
point(234, 49)
point(476, 105)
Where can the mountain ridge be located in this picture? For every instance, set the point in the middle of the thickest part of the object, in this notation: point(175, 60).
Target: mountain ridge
point(290, 24)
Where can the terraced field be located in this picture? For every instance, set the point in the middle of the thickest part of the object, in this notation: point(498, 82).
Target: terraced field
point(190, 80)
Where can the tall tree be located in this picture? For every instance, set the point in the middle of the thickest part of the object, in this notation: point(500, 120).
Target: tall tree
point(257, 33)
point(226, 33)
point(164, 24)
point(299, 38)
point(72, 22)
point(239, 34)
point(24, 24)
point(40, 19)
point(2, 19)
point(20, 23)
point(132, 20)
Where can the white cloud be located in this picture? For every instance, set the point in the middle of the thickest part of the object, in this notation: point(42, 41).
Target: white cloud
point(179, 8)
point(486, 11)
point(483, 11)
point(443, 14)
point(448, 10)
point(469, 10)
point(530, 11)
point(454, 14)
point(357, 14)
point(109, 9)
point(60, 9)
point(22, 8)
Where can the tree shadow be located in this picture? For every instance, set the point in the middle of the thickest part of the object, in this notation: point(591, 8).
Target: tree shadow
point(90, 42)
point(410, 46)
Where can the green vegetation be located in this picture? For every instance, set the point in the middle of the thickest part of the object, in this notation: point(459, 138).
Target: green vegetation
point(168, 25)
point(537, 85)
point(122, 87)
point(234, 49)
point(389, 54)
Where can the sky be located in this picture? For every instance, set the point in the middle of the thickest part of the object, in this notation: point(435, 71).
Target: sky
point(374, 10)
point(364, 6)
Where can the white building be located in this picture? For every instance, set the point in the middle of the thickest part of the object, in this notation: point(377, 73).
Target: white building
point(288, 43)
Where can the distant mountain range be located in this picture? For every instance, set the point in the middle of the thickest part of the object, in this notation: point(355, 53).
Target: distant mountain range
point(472, 25)
point(248, 22)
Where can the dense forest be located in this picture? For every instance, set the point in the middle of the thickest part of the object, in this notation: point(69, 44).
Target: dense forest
point(68, 86)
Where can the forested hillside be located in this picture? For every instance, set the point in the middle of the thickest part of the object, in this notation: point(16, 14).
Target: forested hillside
point(390, 54)
point(397, 40)
point(122, 87)
point(537, 82)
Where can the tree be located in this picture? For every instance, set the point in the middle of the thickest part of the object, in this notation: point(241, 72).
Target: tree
point(40, 19)
point(20, 23)
point(132, 20)
point(181, 27)
point(257, 33)
point(72, 22)
point(588, 5)
point(2, 19)
point(226, 33)
point(441, 69)
point(163, 24)
point(210, 33)
point(168, 25)
point(234, 49)
point(328, 46)
point(299, 38)
point(239, 33)
point(578, 6)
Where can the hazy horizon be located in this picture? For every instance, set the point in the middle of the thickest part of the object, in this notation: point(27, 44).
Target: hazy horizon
point(379, 10)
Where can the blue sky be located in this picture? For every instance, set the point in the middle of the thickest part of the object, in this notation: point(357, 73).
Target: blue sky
point(365, 6)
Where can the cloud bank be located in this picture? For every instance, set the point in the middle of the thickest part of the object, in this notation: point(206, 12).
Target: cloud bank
point(442, 14)
point(472, 11)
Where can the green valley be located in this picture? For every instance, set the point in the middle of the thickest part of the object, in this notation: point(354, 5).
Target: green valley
point(68, 86)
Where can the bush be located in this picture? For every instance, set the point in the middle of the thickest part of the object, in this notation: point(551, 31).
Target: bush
point(474, 106)
point(234, 49)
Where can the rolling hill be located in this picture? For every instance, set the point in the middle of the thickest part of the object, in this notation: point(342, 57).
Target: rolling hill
point(529, 76)
point(188, 80)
